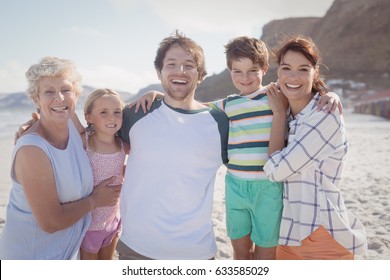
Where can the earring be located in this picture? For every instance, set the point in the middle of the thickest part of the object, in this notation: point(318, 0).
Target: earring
point(90, 129)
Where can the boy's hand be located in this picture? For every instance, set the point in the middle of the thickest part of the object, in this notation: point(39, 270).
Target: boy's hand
point(26, 126)
point(276, 99)
point(329, 102)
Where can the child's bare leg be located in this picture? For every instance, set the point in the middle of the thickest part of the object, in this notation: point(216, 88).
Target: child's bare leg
point(262, 253)
point(243, 248)
point(84, 255)
point(107, 252)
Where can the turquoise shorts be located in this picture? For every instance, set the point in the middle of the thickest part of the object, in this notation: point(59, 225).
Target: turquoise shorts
point(255, 208)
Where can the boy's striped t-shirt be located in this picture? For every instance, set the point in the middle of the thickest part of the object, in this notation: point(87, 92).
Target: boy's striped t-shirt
point(250, 120)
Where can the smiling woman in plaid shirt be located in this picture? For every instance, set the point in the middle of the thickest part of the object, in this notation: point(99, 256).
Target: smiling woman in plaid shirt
point(316, 223)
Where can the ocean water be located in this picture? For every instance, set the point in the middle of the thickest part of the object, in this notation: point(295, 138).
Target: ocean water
point(11, 119)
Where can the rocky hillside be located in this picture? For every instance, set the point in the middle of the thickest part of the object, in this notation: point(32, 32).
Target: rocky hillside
point(353, 37)
point(275, 28)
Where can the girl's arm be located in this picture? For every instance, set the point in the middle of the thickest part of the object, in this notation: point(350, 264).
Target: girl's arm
point(126, 147)
point(80, 128)
point(76, 121)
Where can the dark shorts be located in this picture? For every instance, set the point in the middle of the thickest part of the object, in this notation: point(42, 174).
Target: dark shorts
point(126, 253)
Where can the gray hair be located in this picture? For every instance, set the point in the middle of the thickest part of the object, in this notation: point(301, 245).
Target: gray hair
point(52, 67)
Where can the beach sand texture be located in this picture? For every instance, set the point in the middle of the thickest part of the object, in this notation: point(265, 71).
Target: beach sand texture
point(365, 186)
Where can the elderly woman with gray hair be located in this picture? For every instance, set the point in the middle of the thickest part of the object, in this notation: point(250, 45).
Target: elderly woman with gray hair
point(52, 185)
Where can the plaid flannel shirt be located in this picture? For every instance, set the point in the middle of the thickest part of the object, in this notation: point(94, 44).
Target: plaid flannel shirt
point(311, 167)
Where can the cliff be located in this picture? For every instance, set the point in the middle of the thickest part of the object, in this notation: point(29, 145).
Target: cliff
point(353, 38)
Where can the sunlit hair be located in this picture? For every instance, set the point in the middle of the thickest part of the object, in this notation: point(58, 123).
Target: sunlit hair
point(245, 47)
point(187, 44)
point(90, 103)
point(52, 67)
point(305, 46)
point(98, 93)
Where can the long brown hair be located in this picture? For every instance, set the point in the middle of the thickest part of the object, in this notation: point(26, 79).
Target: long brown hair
point(305, 46)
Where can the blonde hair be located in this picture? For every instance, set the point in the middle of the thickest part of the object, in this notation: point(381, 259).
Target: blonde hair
point(96, 94)
point(50, 66)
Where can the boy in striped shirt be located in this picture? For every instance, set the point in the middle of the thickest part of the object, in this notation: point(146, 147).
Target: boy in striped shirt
point(253, 203)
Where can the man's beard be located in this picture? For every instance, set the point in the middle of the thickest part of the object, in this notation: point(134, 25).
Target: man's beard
point(176, 97)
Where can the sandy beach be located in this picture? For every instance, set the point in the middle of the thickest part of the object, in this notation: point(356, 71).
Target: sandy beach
point(365, 185)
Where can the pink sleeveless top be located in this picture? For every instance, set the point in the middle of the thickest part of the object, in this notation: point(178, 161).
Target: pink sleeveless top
point(105, 166)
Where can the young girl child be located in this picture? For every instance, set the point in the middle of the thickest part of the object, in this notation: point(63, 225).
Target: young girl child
point(106, 152)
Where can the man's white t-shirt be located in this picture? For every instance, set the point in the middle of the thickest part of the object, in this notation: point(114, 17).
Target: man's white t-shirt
point(167, 197)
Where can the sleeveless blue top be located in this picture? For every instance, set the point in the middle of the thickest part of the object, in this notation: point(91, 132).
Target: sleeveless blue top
point(22, 238)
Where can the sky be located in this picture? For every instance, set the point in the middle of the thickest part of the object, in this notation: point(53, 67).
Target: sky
point(114, 42)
